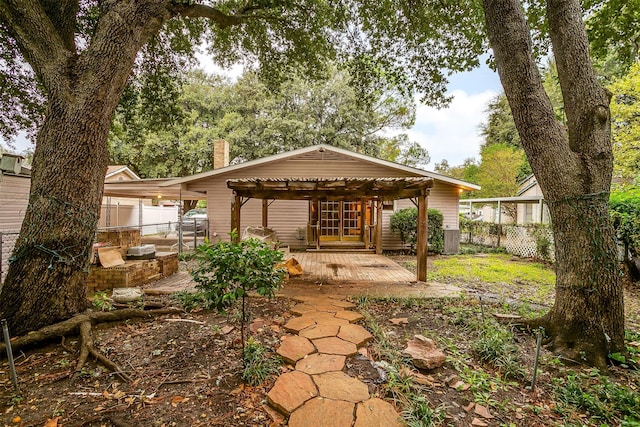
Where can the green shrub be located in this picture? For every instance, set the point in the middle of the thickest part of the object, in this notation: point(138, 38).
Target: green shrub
point(495, 346)
point(405, 222)
point(624, 207)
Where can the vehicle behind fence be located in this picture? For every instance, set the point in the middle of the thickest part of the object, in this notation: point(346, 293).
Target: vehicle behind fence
point(172, 236)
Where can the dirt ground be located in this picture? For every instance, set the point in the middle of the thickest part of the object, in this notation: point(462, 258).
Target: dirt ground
point(186, 369)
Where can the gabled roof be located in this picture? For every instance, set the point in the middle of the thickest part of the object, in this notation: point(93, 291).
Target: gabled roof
point(324, 148)
point(116, 169)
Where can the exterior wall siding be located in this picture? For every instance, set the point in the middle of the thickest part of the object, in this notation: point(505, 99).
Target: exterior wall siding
point(14, 198)
point(287, 216)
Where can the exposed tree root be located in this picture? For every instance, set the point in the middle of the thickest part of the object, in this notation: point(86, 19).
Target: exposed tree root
point(82, 324)
point(86, 348)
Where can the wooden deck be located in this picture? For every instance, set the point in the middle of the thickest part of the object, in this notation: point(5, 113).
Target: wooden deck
point(351, 267)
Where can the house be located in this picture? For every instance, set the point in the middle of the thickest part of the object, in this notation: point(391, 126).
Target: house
point(323, 196)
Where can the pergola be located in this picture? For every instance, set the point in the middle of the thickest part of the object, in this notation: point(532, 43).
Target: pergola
point(311, 189)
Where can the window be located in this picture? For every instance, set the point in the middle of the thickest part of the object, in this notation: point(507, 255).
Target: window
point(388, 205)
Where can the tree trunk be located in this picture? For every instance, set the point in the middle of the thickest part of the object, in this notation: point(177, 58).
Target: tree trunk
point(573, 166)
point(46, 281)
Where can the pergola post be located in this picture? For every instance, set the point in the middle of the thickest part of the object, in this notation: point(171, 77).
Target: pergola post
point(379, 226)
point(422, 238)
point(236, 205)
point(265, 213)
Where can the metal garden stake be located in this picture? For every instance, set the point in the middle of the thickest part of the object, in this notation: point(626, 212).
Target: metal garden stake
point(7, 343)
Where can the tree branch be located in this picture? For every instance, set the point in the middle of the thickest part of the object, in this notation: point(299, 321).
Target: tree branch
point(38, 40)
point(63, 15)
point(202, 11)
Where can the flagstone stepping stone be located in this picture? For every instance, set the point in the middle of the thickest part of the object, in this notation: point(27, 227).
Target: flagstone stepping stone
point(302, 309)
point(351, 316)
point(340, 386)
point(293, 348)
point(327, 318)
point(320, 363)
point(320, 331)
point(343, 304)
point(377, 413)
point(329, 308)
point(297, 324)
point(335, 345)
point(290, 391)
point(319, 412)
point(355, 334)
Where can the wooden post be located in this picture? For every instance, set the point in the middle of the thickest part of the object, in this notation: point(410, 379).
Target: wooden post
point(265, 213)
point(236, 205)
point(422, 238)
point(379, 227)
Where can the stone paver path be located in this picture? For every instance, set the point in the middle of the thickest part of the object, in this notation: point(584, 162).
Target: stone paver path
point(317, 393)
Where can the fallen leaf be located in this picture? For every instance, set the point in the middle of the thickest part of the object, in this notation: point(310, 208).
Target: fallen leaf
point(119, 394)
point(178, 399)
point(152, 400)
point(16, 420)
point(52, 422)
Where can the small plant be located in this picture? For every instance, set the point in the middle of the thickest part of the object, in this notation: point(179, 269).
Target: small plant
point(257, 367)
point(101, 301)
point(420, 414)
point(227, 271)
point(495, 346)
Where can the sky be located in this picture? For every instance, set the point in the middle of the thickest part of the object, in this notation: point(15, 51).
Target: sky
point(451, 133)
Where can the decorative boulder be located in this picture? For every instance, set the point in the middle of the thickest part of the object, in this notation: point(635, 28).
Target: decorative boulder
point(424, 353)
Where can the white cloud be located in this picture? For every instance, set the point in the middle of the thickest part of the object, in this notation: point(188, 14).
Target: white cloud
point(452, 133)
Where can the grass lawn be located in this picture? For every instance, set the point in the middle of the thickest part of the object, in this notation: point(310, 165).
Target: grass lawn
point(501, 276)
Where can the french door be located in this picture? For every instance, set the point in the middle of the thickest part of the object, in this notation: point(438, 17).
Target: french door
point(340, 220)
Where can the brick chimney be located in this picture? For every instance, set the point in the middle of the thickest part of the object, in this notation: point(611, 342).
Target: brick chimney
point(220, 153)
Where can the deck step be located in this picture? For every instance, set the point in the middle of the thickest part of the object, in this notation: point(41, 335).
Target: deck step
point(342, 250)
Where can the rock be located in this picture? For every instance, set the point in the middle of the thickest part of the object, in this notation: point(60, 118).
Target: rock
point(324, 318)
point(478, 423)
point(321, 363)
point(377, 413)
point(400, 321)
point(290, 391)
point(294, 348)
point(321, 412)
point(335, 345)
point(340, 386)
point(125, 295)
point(424, 353)
point(355, 334)
point(483, 412)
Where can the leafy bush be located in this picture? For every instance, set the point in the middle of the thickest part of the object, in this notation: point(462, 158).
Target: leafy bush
point(624, 205)
point(405, 222)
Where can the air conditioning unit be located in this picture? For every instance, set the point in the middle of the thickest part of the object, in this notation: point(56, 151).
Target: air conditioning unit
point(10, 163)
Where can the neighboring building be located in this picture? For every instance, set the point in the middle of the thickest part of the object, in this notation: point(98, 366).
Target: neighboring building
point(15, 183)
point(347, 222)
point(532, 212)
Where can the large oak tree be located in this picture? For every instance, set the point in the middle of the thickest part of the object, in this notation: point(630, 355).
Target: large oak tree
point(573, 164)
